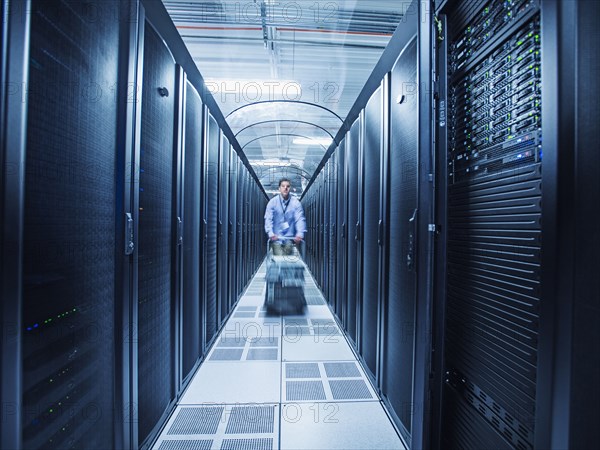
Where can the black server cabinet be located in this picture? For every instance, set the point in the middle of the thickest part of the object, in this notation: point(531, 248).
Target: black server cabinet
point(211, 171)
point(192, 264)
point(156, 337)
point(494, 235)
point(371, 187)
point(239, 264)
point(68, 273)
point(232, 235)
point(223, 232)
point(342, 232)
point(399, 307)
point(353, 143)
point(332, 253)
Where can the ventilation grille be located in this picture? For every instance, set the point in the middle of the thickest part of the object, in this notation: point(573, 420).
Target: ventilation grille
point(203, 420)
point(304, 390)
point(301, 370)
point(247, 444)
point(251, 419)
point(186, 444)
point(349, 389)
point(342, 370)
point(226, 354)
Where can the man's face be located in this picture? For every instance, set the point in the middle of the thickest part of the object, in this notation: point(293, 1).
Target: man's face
point(284, 189)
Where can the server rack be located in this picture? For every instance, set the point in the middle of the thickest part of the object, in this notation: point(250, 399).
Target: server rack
point(494, 183)
point(66, 310)
point(223, 232)
point(192, 318)
point(371, 192)
point(341, 237)
point(399, 317)
point(353, 143)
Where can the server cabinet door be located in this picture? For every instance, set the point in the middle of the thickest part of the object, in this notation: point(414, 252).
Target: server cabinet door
point(342, 232)
point(494, 234)
point(332, 253)
point(192, 312)
point(223, 234)
point(212, 204)
point(232, 262)
point(399, 316)
point(352, 205)
point(371, 200)
point(156, 221)
point(68, 282)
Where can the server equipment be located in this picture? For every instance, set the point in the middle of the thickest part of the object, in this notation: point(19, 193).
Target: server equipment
point(494, 228)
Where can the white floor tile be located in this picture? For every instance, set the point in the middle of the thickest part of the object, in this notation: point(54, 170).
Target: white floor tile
point(337, 426)
point(316, 348)
point(254, 382)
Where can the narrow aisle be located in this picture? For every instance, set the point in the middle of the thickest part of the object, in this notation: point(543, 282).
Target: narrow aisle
point(273, 382)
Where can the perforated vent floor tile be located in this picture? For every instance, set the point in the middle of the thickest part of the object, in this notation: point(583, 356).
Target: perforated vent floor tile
point(314, 300)
point(302, 370)
point(342, 370)
point(186, 444)
point(304, 391)
point(196, 420)
point(347, 384)
point(244, 314)
point(350, 390)
point(252, 426)
point(247, 444)
point(251, 419)
point(226, 354)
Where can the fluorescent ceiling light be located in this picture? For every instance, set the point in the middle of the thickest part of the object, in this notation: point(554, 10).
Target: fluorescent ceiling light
point(269, 162)
point(307, 141)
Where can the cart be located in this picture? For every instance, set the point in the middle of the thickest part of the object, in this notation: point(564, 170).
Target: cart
point(285, 280)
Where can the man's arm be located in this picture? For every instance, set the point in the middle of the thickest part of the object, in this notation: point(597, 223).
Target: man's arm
point(269, 220)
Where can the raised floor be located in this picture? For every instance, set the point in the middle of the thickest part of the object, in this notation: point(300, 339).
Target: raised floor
point(290, 382)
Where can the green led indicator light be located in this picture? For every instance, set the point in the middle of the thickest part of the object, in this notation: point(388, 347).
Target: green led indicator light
point(51, 410)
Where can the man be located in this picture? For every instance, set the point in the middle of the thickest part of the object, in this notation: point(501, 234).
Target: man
point(284, 217)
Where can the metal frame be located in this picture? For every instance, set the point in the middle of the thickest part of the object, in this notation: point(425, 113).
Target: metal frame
point(425, 242)
point(127, 189)
point(15, 72)
point(440, 220)
point(383, 228)
point(553, 392)
point(179, 216)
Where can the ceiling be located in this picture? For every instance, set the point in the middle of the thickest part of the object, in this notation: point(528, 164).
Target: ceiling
point(285, 73)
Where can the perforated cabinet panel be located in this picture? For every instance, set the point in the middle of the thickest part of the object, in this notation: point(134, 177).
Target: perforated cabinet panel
point(192, 320)
point(352, 172)
point(371, 196)
point(155, 309)
point(212, 198)
point(69, 228)
point(400, 309)
point(494, 222)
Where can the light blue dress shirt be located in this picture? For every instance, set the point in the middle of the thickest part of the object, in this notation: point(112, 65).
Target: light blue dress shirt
point(279, 213)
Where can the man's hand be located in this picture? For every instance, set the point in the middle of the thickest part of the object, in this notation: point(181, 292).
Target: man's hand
point(297, 239)
point(274, 237)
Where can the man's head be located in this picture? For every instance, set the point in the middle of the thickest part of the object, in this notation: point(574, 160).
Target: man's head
point(284, 187)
